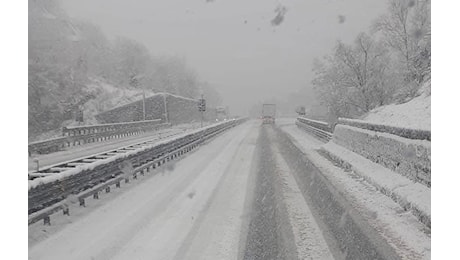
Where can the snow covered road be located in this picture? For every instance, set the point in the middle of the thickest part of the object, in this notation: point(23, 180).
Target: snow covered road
point(194, 209)
point(75, 152)
point(244, 195)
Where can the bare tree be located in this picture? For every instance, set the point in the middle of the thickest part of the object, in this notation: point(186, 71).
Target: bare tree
point(354, 79)
point(406, 29)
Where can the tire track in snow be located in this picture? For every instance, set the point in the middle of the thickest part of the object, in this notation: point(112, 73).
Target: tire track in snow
point(151, 210)
point(308, 238)
point(163, 235)
point(216, 233)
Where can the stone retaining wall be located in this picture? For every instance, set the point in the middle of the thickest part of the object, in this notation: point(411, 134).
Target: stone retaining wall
point(408, 157)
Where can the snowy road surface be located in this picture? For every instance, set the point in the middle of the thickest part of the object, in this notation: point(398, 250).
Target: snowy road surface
point(236, 197)
point(76, 152)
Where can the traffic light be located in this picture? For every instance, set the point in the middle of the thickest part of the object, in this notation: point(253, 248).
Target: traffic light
point(201, 105)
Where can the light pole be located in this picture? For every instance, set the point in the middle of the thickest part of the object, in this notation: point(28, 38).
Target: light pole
point(143, 102)
point(166, 108)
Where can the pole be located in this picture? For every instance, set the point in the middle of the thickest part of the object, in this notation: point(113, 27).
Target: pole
point(37, 163)
point(166, 108)
point(201, 118)
point(143, 103)
point(202, 113)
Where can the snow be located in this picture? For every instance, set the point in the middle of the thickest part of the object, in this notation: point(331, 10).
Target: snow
point(176, 96)
point(404, 233)
point(57, 176)
point(391, 183)
point(158, 219)
point(221, 225)
point(82, 151)
point(325, 124)
point(408, 157)
point(115, 124)
point(413, 114)
point(308, 237)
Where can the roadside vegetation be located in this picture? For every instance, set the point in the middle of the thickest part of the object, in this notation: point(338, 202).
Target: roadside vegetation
point(386, 65)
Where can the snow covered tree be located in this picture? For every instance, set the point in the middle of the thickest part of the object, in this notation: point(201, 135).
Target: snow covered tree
point(132, 60)
point(172, 75)
point(353, 80)
point(213, 98)
point(406, 29)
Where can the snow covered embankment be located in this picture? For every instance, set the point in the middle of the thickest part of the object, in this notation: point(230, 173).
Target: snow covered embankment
point(401, 229)
point(409, 157)
point(415, 114)
point(399, 167)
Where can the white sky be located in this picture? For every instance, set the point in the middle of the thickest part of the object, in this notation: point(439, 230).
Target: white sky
point(248, 61)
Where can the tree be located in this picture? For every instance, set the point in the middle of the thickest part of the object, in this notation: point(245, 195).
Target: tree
point(213, 98)
point(406, 29)
point(172, 75)
point(132, 60)
point(352, 81)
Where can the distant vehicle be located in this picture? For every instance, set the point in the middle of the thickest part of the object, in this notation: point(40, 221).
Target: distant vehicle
point(221, 113)
point(300, 110)
point(268, 113)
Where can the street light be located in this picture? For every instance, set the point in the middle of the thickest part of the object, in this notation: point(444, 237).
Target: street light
point(143, 102)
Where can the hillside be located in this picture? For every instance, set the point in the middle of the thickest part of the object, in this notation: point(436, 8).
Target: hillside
point(415, 113)
point(73, 67)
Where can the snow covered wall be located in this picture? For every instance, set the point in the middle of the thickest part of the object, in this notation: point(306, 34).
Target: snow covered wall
point(408, 156)
point(178, 110)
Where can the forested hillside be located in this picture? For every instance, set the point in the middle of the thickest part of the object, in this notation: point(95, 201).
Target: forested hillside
point(74, 67)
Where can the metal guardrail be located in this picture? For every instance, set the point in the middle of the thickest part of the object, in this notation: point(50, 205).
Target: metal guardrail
point(50, 197)
point(399, 131)
point(319, 129)
point(90, 129)
point(78, 135)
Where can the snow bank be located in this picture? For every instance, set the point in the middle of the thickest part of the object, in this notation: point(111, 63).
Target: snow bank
point(413, 114)
point(407, 236)
point(410, 158)
point(410, 195)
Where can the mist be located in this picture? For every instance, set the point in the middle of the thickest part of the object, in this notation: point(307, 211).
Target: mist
point(249, 51)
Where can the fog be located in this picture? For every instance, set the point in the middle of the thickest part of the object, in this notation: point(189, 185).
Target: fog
point(250, 51)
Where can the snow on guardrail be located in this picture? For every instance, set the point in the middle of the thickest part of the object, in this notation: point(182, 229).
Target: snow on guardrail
point(77, 135)
point(319, 129)
point(47, 193)
point(57, 176)
point(409, 133)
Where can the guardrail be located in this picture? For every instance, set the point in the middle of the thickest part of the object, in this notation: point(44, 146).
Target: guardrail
point(319, 129)
point(395, 130)
point(78, 135)
point(98, 173)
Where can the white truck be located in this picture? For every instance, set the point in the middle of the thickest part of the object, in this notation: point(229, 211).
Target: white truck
point(268, 113)
point(221, 113)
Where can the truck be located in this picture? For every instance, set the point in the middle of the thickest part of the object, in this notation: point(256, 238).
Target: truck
point(268, 113)
point(221, 113)
point(300, 110)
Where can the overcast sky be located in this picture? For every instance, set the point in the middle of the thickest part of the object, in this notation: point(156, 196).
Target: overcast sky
point(232, 43)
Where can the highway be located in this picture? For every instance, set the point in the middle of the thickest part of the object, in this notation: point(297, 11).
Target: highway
point(246, 194)
point(76, 152)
